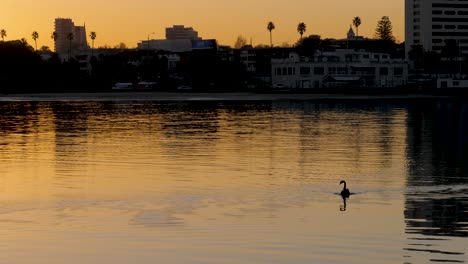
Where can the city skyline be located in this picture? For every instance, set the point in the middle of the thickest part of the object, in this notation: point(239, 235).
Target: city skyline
point(132, 22)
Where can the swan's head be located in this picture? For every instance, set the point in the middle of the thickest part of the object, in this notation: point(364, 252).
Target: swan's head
point(341, 182)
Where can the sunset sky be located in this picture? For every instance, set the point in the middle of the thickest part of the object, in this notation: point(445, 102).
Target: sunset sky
point(132, 21)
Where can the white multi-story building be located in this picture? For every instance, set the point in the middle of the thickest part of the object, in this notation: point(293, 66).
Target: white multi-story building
point(181, 32)
point(65, 26)
point(340, 68)
point(430, 23)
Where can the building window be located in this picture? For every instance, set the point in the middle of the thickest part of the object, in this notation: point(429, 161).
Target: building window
point(304, 70)
point(383, 71)
point(285, 71)
point(398, 71)
point(342, 70)
point(319, 70)
point(278, 71)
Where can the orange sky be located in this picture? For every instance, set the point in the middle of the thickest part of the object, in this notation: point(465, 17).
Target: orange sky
point(131, 21)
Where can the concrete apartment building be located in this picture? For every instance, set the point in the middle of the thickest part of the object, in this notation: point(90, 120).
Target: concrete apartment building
point(431, 22)
point(65, 26)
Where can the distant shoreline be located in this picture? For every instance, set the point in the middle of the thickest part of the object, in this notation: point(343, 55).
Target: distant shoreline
point(238, 96)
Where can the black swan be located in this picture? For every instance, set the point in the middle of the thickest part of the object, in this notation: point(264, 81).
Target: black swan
point(345, 192)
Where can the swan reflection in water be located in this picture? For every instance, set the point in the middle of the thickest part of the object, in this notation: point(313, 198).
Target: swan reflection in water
point(345, 193)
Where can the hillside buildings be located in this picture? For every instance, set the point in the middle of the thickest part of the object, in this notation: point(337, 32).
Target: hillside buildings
point(430, 23)
point(64, 27)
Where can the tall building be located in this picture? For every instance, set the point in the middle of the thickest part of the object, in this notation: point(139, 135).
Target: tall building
point(181, 32)
point(430, 23)
point(65, 26)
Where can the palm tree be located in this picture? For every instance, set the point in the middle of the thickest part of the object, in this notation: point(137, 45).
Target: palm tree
point(270, 28)
point(92, 35)
point(35, 36)
point(3, 34)
point(70, 38)
point(301, 28)
point(54, 36)
point(357, 23)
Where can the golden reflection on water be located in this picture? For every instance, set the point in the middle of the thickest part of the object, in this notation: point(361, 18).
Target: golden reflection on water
point(201, 182)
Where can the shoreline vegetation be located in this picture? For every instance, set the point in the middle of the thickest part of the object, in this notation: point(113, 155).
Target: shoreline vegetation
point(24, 70)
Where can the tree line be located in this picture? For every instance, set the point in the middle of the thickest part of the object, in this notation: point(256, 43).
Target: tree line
point(383, 30)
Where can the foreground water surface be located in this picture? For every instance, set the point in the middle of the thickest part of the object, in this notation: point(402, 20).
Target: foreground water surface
point(233, 181)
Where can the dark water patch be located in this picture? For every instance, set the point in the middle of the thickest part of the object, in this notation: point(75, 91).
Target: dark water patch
point(447, 261)
point(433, 251)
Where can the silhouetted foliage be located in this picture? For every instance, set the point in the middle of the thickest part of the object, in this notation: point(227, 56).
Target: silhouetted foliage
point(416, 54)
point(308, 45)
point(19, 65)
point(384, 30)
point(357, 23)
point(35, 36)
point(3, 34)
point(301, 28)
point(271, 26)
point(241, 41)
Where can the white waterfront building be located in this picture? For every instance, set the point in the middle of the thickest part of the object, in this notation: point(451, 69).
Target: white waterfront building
point(430, 23)
point(339, 68)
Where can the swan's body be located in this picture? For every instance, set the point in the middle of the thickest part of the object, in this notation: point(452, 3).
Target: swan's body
point(345, 192)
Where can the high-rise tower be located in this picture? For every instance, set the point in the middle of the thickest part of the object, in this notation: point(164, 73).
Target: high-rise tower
point(65, 26)
point(430, 23)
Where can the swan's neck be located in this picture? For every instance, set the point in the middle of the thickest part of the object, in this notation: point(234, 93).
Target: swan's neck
point(344, 186)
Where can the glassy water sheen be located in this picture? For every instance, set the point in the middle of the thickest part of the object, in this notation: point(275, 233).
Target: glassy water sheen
point(233, 182)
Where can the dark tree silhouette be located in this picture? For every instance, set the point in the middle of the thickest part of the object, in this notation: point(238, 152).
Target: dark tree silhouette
point(271, 27)
point(357, 23)
point(384, 30)
point(35, 36)
point(241, 41)
point(416, 55)
point(3, 34)
point(301, 28)
point(92, 35)
point(70, 38)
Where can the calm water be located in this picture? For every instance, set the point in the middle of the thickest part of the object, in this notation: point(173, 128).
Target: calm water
point(233, 182)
